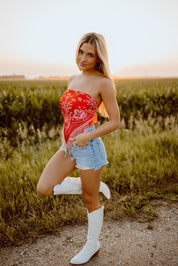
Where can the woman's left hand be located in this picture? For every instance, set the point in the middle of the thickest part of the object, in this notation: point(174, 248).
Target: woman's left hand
point(81, 140)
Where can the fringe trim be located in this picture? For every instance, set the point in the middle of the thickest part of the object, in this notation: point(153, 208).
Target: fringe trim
point(68, 145)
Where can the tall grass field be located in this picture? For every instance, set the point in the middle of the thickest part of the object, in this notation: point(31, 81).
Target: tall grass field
point(142, 155)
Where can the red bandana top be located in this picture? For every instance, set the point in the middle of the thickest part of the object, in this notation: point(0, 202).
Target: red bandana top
point(79, 112)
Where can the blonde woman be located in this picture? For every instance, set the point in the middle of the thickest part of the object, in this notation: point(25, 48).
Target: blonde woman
point(82, 147)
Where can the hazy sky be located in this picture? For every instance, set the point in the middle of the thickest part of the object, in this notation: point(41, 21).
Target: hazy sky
point(39, 37)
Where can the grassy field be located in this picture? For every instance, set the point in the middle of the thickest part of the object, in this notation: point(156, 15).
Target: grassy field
point(35, 104)
point(142, 157)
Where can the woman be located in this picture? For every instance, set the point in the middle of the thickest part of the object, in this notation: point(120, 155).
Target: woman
point(82, 146)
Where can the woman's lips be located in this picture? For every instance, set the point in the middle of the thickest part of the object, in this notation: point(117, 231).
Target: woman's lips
point(82, 64)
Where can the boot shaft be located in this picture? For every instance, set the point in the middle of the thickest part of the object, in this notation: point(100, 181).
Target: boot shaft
point(95, 222)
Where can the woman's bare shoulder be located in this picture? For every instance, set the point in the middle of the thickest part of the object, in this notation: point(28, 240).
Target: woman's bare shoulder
point(72, 77)
point(105, 84)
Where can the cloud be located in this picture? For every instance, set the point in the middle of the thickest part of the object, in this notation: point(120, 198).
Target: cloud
point(165, 69)
point(33, 70)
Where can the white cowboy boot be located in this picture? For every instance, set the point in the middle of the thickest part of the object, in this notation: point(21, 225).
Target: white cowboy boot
point(72, 185)
point(92, 246)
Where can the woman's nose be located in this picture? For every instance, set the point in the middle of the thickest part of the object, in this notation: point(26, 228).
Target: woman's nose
point(83, 58)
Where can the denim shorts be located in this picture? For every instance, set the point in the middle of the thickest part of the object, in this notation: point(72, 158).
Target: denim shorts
point(92, 156)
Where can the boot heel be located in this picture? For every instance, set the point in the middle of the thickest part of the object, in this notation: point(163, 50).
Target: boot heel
point(96, 252)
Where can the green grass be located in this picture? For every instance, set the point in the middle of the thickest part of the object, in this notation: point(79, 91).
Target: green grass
point(142, 156)
point(142, 166)
point(36, 103)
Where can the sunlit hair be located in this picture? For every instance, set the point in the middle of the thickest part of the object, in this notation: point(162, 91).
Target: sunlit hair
point(99, 43)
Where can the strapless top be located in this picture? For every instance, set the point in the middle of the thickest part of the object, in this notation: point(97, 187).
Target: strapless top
point(79, 112)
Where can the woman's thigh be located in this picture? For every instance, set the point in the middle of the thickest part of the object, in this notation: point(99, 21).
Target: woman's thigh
point(58, 167)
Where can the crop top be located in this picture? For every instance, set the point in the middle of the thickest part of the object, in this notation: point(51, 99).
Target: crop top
point(79, 112)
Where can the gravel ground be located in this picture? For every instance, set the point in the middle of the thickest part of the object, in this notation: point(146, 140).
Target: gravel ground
point(123, 242)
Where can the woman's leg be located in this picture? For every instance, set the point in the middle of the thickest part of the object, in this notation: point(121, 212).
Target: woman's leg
point(58, 167)
point(90, 187)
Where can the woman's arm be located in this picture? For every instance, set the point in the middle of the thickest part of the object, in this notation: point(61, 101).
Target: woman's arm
point(108, 96)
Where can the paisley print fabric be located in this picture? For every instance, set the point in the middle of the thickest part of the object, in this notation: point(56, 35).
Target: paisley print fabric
point(79, 112)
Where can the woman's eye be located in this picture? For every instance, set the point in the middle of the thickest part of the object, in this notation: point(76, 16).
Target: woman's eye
point(90, 55)
point(80, 51)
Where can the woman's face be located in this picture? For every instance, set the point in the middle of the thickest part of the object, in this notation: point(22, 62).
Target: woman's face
point(87, 57)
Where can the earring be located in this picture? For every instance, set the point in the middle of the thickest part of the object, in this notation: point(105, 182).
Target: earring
point(98, 66)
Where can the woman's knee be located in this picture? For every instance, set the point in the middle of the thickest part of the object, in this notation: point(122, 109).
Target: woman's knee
point(44, 190)
point(91, 201)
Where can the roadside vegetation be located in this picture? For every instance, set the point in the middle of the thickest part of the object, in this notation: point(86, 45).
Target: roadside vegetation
point(142, 155)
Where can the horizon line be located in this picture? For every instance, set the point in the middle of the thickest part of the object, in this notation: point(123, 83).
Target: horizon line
point(115, 77)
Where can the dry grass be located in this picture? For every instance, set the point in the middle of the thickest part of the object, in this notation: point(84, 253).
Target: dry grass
point(143, 166)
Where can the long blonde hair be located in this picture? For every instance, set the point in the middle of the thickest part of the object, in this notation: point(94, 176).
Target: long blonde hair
point(99, 43)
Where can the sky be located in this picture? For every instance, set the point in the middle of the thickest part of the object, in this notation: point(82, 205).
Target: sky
point(39, 37)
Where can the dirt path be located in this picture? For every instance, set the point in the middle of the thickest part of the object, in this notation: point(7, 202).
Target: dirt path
point(122, 243)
